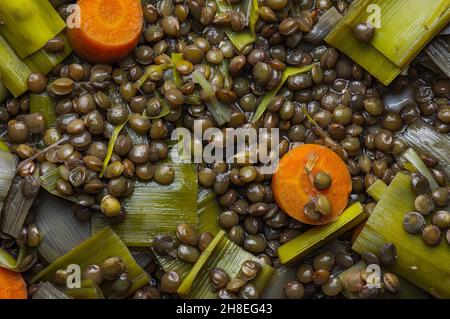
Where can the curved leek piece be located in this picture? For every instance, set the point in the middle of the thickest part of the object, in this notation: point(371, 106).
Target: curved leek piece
point(14, 72)
point(95, 250)
point(377, 189)
point(425, 266)
point(44, 104)
point(16, 207)
point(46, 290)
point(439, 52)
point(61, 231)
point(156, 209)
point(44, 61)
point(221, 253)
point(8, 165)
point(251, 11)
point(305, 243)
point(176, 57)
point(29, 24)
point(148, 71)
point(406, 27)
point(407, 289)
point(420, 166)
point(164, 110)
point(276, 284)
point(262, 106)
point(89, 290)
point(48, 182)
point(220, 112)
point(111, 143)
point(326, 23)
point(208, 211)
point(424, 138)
point(15, 264)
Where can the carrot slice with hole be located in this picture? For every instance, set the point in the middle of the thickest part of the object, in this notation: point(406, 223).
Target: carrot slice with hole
point(12, 285)
point(292, 187)
point(109, 30)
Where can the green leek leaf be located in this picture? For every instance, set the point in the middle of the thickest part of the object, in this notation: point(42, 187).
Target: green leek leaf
point(425, 266)
point(95, 250)
point(305, 243)
point(148, 71)
point(420, 166)
point(44, 104)
point(377, 189)
point(176, 57)
point(154, 209)
point(8, 166)
point(111, 143)
point(262, 106)
point(61, 231)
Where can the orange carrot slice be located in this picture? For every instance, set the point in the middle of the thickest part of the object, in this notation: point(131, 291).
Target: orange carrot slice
point(292, 187)
point(109, 30)
point(12, 285)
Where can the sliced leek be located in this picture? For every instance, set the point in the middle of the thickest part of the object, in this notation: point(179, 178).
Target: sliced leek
point(406, 27)
point(326, 23)
point(208, 212)
point(262, 106)
point(95, 250)
point(420, 166)
point(176, 58)
point(16, 207)
point(377, 189)
point(424, 138)
point(407, 289)
point(44, 104)
point(439, 52)
point(48, 182)
point(29, 24)
point(221, 253)
point(43, 61)
point(251, 11)
point(14, 72)
point(149, 71)
point(111, 143)
point(154, 209)
point(46, 290)
point(88, 290)
point(220, 111)
point(305, 243)
point(61, 231)
point(8, 165)
point(425, 266)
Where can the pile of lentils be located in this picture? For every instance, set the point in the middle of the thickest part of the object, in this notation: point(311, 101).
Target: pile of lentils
point(344, 100)
point(428, 202)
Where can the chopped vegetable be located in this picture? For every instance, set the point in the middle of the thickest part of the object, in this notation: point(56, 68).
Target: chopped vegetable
point(148, 71)
point(262, 106)
point(208, 210)
point(46, 290)
point(44, 104)
point(326, 23)
point(111, 143)
point(439, 52)
point(8, 165)
point(313, 238)
point(377, 189)
point(4, 93)
point(219, 111)
point(43, 61)
point(12, 285)
point(89, 290)
point(176, 58)
point(16, 205)
point(48, 182)
point(406, 28)
point(420, 166)
point(407, 289)
point(165, 109)
point(109, 30)
point(224, 254)
point(95, 250)
point(293, 189)
point(28, 25)
point(13, 70)
point(154, 209)
point(424, 266)
point(251, 11)
point(424, 138)
point(61, 231)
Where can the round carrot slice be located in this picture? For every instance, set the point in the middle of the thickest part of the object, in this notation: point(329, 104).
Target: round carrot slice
point(12, 285)
point(293, 189)
point(109, 29)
